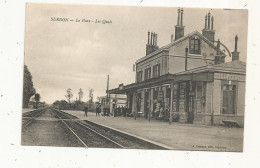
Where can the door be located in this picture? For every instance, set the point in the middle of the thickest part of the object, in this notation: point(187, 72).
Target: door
point(130, 103)
point(191, 109)
point(191, 101)
point(146, 104)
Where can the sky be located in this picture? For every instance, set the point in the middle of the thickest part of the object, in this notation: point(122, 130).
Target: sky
point(62, 55)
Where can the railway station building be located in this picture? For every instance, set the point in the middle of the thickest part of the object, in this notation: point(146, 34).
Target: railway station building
point(188, 80)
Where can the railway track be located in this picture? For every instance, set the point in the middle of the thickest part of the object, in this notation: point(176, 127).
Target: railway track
point(94, 135)
point(30, 116)
point(87, 136)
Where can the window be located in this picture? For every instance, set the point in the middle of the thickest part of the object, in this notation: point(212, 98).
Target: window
point(156, 70)
point(229, 99)
point(147, 74)
point(139, 76)
point(194, 45)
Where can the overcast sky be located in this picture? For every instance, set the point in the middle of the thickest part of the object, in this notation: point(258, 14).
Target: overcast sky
point(62, 55)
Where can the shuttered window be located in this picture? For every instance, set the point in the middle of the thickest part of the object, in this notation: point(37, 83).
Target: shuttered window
point(147, 74)
point(156, 70)
point(139, 76)
point(194, 46)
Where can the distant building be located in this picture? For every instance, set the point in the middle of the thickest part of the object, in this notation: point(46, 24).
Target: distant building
point(188, 79)
point(116, 100)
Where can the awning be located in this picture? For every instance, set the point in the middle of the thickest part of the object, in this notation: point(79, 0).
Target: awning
point(164, 79)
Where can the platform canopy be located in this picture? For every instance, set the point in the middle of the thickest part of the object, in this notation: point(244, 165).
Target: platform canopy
point(164, 79)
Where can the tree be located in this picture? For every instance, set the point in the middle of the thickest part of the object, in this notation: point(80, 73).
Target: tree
point(69, 95)
point(91, 97)
point(28, 89)
point(56, 103)
point(80, 94)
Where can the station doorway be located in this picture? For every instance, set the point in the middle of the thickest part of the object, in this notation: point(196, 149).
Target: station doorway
point(146, 104)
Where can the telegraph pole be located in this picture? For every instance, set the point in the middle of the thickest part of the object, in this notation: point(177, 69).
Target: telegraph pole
point(108, 95)
point(37, 99)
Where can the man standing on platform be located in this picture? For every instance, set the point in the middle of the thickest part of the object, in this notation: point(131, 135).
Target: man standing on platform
point(115, 111)
point(86, 111)
point(97, 111)
point(108, 112)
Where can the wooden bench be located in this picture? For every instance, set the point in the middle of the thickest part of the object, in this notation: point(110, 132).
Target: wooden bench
point(230, 123)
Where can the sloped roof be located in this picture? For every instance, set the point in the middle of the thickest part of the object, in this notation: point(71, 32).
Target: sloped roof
point(237, 64)
point(166, 47)
point(237, 67)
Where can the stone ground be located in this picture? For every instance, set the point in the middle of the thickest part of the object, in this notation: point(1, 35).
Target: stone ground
point(179, 136)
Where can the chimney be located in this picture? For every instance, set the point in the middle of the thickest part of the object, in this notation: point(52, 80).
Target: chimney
point(235, 54)
point(179, 28)
point(186, 58)
point(181, 17)
point(148, 38)
point(153, 39)
point(212, 22)
point(151, 45)
point(155, 43)
point(171, 38)
point(220, 57)
point(209, 20)
point(206, 22)
point(208, 30)
point(218, 47)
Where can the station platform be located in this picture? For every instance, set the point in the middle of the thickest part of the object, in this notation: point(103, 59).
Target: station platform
point(178, 136)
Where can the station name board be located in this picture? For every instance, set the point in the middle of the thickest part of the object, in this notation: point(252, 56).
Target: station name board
point(229, 76)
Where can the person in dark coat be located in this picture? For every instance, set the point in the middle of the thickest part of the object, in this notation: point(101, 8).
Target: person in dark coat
point(105, 111)
point(124, 111)
point(115, 112)
point(97, 111)
point(119, 111)
point(86, 111)
point(108, 111)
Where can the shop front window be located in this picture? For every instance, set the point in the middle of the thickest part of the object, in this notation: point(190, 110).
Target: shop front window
point(139, 101)
point(182, 97)
point(229, 99)
point(200, 96)
point(175, 98)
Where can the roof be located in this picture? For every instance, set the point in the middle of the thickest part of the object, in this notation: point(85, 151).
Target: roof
point(204, 73)
point(166, 47)
point(236, 67)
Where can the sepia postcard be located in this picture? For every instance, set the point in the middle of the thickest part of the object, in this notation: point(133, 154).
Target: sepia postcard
point(167, 78)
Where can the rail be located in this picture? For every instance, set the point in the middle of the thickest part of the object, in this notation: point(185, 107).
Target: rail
point(85, 126)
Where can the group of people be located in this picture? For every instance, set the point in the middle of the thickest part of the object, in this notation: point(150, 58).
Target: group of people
point(98, 110)
point(121, 111)
point(106, 111)
point(118, 111)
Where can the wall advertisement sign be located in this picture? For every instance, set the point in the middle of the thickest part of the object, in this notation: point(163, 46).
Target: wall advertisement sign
point(227, 76)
